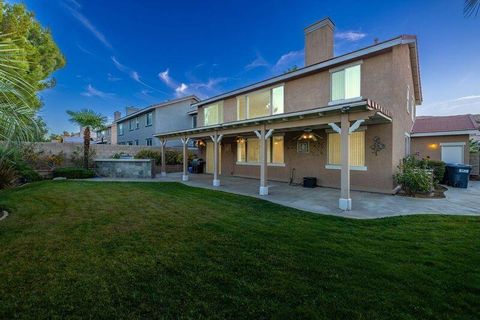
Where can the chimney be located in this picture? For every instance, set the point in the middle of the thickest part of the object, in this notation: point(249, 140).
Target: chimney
point(319, 42)
point(117, 115)
point(131, 110)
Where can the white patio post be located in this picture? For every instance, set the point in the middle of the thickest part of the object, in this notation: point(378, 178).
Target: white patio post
point(263, 137)
point(163, 143)
point(345, 202)
point(185, 158)
point(216, 152)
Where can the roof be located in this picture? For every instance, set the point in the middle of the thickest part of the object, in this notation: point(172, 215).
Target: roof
point(158, 105)
point(348, 57)
point(445, 124)
point(360, 105)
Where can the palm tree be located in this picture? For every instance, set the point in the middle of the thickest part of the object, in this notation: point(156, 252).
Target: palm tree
point(17, 111)
point(87, 119)
point(471, 8)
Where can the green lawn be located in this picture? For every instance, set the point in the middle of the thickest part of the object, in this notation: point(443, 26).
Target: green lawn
point(150, 250)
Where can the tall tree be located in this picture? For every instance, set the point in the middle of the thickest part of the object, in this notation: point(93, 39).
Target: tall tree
point(39, 55)
point(88, 120)
point(471, 8)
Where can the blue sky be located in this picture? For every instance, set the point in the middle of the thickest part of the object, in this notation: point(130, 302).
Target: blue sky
point(128, 52)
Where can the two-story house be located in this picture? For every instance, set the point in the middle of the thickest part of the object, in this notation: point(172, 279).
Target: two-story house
point(138, 126)
point(345, 120)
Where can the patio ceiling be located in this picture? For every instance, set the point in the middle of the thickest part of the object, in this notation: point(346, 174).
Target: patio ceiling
point(313, 119)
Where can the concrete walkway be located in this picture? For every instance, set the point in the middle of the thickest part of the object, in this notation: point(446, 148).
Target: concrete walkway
point(325, 200)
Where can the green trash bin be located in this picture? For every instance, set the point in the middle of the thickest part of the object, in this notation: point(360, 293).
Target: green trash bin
point(457, 174)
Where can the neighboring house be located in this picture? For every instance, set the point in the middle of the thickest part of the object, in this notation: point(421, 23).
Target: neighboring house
point(139, 126)
point(108, 135)
point(444, 138)
point(356, 108)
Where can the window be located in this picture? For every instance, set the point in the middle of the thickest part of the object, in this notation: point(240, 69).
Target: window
point(120, 129)
point(137, 123)
point(413, 108)
point(248, 150)
point(149, 141)
point(194, 121)
point(357, 149)
point(346, 83)
point(149, 119)
point(131, 124)
point(407, 144)
point(260, 103)
point(130, 143)
point(408, 99)
point(213, 114)
point(136, 142)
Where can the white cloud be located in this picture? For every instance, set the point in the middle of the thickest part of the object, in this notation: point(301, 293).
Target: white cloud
point(288, 60)
point(135, 76)
point(76, 4)
point(461, 105)
point(93, 92)
point(258, 62)
point(165, 77)
point(350, 35)
point(181, 89)
point(86, 22)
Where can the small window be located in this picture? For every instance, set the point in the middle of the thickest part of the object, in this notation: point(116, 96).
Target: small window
point(136, 142)
point(357, 149)
point(131, 124)
point(408, 99)
point(130, 143)
point(407, 144)
point(194, 121)
point(149, 119)
point(137, 123)
point(149, 141)
point(345, 83)
point(120, 129)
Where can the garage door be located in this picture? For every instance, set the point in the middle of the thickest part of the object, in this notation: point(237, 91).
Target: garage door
point(453, 153)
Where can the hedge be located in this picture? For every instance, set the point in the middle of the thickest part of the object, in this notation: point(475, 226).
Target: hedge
point(74, 173)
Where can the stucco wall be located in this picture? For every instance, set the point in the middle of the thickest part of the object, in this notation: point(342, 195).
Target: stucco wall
point(430, 147)
point(377, 178)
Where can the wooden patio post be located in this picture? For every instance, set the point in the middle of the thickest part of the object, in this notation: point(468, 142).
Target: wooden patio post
point(263, 136)
point(216, 143)
point(345, 202)
point(163, 143)
point(185, 158)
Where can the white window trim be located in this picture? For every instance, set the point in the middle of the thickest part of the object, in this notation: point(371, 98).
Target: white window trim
point(339, 167)
point(340, 68)
point(452, 144)
point(408, 99)
point(270, 164)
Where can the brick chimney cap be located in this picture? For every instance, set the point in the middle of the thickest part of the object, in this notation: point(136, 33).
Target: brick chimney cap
point(319, 24)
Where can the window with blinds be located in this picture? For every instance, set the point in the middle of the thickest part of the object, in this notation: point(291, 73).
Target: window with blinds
point(248, 150)
point(357, 149)
point(213, 114)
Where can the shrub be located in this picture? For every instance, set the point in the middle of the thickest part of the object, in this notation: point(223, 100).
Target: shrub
point(120, 155)
point(77, 157)
point(8, 175)
point(414, 176)
point(438, 168)
point(150, 154)
point(74, 173)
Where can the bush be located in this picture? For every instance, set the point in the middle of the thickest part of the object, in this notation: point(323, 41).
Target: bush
point(172, 157)
point(8, 175)
point(74, 173)
point(77, 157)
point(150, 154)
point(438, 168)
point(414, 176)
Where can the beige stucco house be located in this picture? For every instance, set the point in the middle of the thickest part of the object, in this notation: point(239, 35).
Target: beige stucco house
point(345, 120)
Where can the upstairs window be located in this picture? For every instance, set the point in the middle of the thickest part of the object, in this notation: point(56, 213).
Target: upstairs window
point(137, 123)
point(213, 114)
point(131, 124)
point(194, 121)
point(346, 83)
point(120, 129)
point(261, 103)
point(149, 119)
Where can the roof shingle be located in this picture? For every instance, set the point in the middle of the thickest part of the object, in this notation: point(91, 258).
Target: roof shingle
point(428, 124)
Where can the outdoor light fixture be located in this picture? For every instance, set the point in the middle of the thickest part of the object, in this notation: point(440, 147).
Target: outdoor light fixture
point(308, 135)
point(200, 143)
point(240, 140)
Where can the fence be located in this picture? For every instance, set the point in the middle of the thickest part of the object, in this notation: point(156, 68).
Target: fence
point(475, 163)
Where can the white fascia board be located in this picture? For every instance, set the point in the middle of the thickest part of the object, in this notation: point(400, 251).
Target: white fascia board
point(444, 133)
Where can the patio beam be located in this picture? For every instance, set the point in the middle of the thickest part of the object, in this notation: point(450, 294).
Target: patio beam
point(185, 158)
point(163, 143)
point(263, 135)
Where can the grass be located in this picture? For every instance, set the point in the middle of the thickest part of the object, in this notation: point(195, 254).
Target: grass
point(151, 250)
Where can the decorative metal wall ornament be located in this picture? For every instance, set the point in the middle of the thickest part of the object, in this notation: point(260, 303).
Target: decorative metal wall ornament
point(377, 145)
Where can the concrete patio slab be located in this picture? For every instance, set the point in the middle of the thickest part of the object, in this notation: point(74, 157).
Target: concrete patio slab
point(365, 205)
